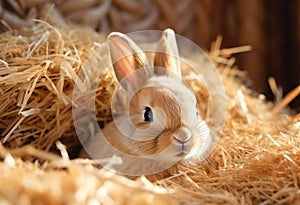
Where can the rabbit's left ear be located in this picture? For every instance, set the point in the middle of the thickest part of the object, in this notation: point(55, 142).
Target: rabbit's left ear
point(166, 56)
point(126, 57)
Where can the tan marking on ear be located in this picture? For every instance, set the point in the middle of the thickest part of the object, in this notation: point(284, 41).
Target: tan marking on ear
point(125, 55)
point(167, 56)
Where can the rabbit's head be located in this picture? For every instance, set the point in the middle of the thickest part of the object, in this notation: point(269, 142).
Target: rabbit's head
point(163, 115)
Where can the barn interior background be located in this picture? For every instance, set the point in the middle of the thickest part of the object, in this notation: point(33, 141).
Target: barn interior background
point(272, 28)
point(258, 157)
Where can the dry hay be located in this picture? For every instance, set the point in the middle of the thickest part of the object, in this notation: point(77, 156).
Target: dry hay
point(256, 161)
point(126, 16)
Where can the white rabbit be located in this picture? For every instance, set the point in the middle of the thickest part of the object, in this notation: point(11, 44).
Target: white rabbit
point(162, 115)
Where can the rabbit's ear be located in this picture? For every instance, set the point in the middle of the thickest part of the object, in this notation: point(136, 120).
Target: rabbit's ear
point(166, 55)
point(125, 55)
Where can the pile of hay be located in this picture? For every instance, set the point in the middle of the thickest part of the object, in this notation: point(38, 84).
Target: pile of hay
point(256, 161)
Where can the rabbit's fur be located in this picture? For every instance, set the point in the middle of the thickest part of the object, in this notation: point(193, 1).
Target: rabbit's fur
point(176, 132)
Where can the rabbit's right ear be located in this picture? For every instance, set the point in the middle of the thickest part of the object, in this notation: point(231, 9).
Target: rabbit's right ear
point(167, 55)
point(126, 56)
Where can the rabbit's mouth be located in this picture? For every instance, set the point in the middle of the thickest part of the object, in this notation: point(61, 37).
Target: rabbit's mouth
point(182, 154)
point(183, 148)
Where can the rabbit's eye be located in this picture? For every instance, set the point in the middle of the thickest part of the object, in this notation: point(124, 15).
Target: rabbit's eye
point(148, 115)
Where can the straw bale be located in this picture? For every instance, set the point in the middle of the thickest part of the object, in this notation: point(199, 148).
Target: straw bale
point(38, 67)
point(72, 182)
point(257, 160)
point(201, 21)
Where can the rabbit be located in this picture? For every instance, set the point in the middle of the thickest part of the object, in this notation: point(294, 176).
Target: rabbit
point(162, 117)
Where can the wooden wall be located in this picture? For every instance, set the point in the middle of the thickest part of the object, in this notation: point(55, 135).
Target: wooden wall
point(271, 27)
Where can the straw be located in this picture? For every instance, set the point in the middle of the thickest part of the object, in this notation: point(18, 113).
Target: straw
point(257, 160)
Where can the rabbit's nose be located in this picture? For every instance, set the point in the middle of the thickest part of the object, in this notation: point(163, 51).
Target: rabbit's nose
point(183, 136)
